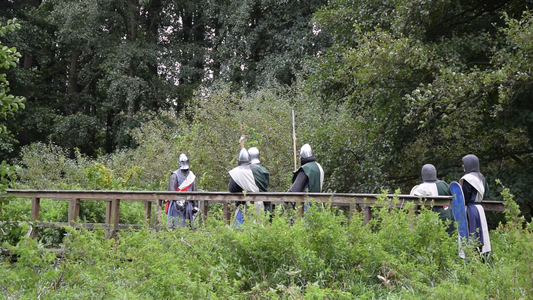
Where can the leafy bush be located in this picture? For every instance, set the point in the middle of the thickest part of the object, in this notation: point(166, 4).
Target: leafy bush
point(162, 138)
point(400, 254)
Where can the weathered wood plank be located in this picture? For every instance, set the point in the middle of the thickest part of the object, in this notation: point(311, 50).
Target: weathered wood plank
point(147, 211)
point(73, 209)
point(226, 212)
point(35, 208)
point(113, 218)
point(113, 199)
point(218, 197)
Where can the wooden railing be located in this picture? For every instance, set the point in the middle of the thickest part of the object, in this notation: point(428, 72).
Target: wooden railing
point(154, 199)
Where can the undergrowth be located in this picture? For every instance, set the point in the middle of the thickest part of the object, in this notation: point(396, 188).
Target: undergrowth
point(400, 254)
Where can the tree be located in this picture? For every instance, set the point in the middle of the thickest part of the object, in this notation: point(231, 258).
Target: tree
point(257, 41)
point(8, 102)
point(429, 82)
point(8, 59)
point(90, 67)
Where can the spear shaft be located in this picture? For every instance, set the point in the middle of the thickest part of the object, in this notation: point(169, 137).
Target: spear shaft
point(294, 140)
point(242, 135)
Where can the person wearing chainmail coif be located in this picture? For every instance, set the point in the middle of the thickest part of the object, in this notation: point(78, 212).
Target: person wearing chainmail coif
point(431, 186)
point(181, 213)
point(475, 188)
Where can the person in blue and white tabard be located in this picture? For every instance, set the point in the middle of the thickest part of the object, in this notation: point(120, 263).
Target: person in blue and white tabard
point(475, 188)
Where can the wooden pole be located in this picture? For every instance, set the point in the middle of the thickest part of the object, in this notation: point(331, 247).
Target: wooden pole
point(205, 208)
point(294, 141)
point(242, 135)
point(367, 214)
point(108, 208)
point(112, 217)
point(158, 213)
point(226, 213)
point(73, 210)
point(35, 207)
point(115, 212)
point(147, 211)
point(352, 210)
point(300, 205)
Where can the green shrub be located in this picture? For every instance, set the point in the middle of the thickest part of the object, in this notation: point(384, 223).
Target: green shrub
point(322, 255)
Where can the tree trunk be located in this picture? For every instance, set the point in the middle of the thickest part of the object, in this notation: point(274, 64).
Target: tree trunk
point(153, 28)
point(73, 74)
point(109, 131)
point(132, 22)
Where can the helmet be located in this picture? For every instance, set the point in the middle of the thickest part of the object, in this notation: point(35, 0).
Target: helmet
point(243, 157)
point(305, 151)
point(254, 155)
point(183, 161)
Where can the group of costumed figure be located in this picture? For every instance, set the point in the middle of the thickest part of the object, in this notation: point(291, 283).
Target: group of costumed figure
point(251, 176)
point(474, 187)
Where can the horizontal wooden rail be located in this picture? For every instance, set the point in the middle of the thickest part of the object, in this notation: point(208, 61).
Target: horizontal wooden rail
point(114, 198)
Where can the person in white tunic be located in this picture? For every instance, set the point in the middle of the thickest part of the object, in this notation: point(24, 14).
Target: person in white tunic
point(247, 177)
point(474, 189)
point(431, 186)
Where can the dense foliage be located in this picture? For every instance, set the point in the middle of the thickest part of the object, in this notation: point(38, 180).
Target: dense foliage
point(116, 90)
point(88, 67)
point(428, 82)
point(8, 105)
point(398, 255)
point(379, 89)
point(394, 85)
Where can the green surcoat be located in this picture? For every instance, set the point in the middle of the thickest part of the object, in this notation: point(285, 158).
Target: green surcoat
point(313, 173)
point(261, 177)
point(445, 214)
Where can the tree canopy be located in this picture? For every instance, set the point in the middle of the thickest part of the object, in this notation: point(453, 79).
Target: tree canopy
point(8, 102)
point(379, 89)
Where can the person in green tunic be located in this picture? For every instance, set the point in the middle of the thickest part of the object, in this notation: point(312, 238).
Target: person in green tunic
point(261, 175)
point(309, 177)
point(431, 186)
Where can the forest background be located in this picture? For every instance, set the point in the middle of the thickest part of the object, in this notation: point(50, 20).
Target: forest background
point(109, 93)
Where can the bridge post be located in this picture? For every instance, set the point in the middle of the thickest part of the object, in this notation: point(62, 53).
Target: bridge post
point(112, 216)
point(205, 208)
point(73, 210)
point(35, 207)
point(367, 211)
point(300, 205)
point(108, 231)
point(226, 213)
point(147, 211)
point(352, 210)
point(157, 212)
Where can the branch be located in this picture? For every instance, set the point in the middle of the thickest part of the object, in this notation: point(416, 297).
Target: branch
point(482, 9)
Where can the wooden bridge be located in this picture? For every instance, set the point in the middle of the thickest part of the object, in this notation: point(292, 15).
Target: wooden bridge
point(153, 202)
